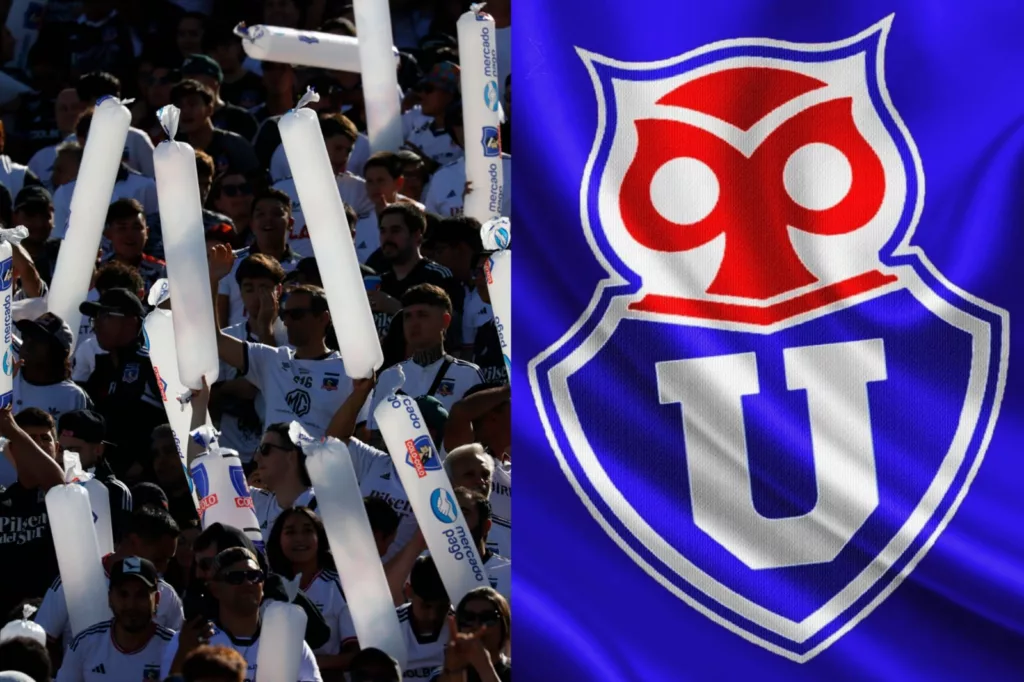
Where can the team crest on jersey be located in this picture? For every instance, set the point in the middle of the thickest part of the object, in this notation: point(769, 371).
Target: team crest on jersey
point(815, 396)
point(131, 373)
point(446, 388)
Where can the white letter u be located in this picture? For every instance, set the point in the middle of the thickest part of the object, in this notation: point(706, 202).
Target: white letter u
point(710, 392)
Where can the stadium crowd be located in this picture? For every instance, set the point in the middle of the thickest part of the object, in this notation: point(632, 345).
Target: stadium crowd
point(187, 597)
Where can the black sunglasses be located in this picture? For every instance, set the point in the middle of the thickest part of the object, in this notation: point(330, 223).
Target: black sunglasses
point(468, 619)
point(238, 577)
point(264, 449)
point(244, 189)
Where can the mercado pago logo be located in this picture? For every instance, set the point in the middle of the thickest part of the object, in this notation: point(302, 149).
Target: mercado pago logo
point(813, 396)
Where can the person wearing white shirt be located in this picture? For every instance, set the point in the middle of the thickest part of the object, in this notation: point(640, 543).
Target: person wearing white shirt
point(423, 620)
point(384, 182)
point(473, 468)
point(130, 184)
point(375, 469)
point(280, 170)
point(305, 381)
point(340, 135)
point(237, 586)
point(130, 646)
point(447, 189)
point(271, 220)
point(284, 481)
point(259, 279)
point(297, 546)
point(476, 510)
point(426, 315)
point(424, 127)
point(43, 379)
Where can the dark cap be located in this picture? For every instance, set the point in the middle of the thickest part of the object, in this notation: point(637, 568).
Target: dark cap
point(48, 327)
point(149, 493)
point(202, 65)
point(33, 198)
point(83, 424)
point(134, 567)
point(434, 414)
point(115, 301)
point(444, 76)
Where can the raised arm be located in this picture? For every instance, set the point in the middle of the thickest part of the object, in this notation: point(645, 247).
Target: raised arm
point(222, 260)
point(343, 423)
point(459, 428)
point(36, 469)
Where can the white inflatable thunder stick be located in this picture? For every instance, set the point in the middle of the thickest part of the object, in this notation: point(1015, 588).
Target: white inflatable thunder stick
point(78, 556)
point(97, 175)
point(343, 512)
point(158, 335)
point(481, 114)
point(181, 214)
point(99, 500)
point(430, 494)
point(497, 236)
point(380, 77)
point(7, 238)
point(303, 48)
point(223, 492)
point(24, 18)
point(282, 629)
point(332, 241)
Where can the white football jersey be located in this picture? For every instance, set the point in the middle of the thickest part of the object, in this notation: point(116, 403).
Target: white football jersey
point(438, 145)
point(267, 509)
point(325, 591)
point(352, 190)
point(228, 286)
point(309, 671)
point(444, 194)
point(458, 378)
point(85, 355)
point(475, 314)
point(12, 175)
point(501, 490)
point(424, 654)
point(56, 399)
point(233, 434)
point(279, 168)
point(52, 615)
point(307, 391)
point(93, 656)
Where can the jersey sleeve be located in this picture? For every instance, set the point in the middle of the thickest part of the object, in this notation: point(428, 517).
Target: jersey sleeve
point(168, 657)
point(345, 627)
point(259, 359)
point(170, 614)
point(309, 671)
point(363, 457)
point(435, 193)
point(71, 667)
point(52, 615)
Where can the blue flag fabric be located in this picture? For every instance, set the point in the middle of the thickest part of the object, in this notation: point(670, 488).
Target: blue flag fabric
point(772, 265)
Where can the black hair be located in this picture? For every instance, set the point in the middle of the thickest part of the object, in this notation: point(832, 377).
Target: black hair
point(318, 301)
point(413, 217)
point(274, 194)
point(26, 655)
point(427, 294)
point(259, 266)
point(426, 582)
point(459, 230)
point(116, 275)
point(389, 161)
point(97, 84)
point(279, 563)
point(482, 504)
point(34, 417)
point(123, 209)
point(383, 518)
point(282, 429)
point(152, 523)
point(338, 124)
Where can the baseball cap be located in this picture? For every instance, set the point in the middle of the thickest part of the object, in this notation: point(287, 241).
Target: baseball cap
point(83, 424)
point(134, 567)
point(48, 327)
point(202, 65)
point(117, 301)
point(443, 76)
point(33, 198)
point(434, 414)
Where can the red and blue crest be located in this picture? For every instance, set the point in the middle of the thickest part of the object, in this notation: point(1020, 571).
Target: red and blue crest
point(774, 404)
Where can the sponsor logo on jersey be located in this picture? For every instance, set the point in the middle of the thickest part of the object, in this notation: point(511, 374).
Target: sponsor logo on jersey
point(299, 401)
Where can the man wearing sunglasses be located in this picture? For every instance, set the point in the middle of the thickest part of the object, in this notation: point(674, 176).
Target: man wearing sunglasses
point(122, 385)
point(131, 645)
point(424, 125)
point(237, 586)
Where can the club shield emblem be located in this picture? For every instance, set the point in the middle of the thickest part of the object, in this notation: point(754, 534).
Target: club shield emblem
point(813, 397)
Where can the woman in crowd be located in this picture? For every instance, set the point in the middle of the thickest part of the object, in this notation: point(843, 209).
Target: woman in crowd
point(298, 547)
point(480, 634)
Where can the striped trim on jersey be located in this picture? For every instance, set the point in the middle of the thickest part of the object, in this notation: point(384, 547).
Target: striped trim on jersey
point(504, 523)
point(333, 577)
point(126, 494)
point(97, 629)
point(438, 268)
point(404, 612)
